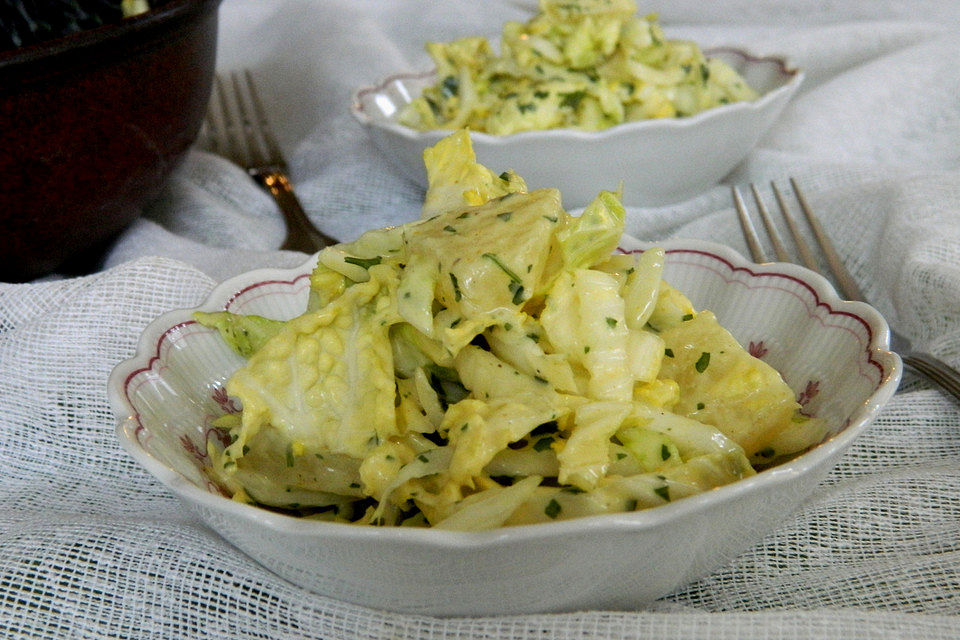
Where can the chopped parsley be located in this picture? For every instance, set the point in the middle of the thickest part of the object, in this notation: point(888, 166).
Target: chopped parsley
point(365, 263)
point(553, 509)
point(450, 86)
point(572, 99)
point(663, 492)
point(495, 259)
point(457, 295)
point(517, 291)
point(543, 443)
point(703, 362)
point(668, 352)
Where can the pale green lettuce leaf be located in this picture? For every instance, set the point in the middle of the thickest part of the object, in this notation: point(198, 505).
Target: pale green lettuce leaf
point(589, 239)
point(326, 380)
point(456, 180)
point(244, 334)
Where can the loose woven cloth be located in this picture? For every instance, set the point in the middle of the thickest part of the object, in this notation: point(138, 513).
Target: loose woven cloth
point(92, 547)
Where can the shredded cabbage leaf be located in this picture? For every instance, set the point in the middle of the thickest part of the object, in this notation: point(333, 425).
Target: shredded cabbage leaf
point(496, 362)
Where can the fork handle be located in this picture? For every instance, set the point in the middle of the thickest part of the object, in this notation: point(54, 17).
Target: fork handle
point(934, 370)
point(302, 235)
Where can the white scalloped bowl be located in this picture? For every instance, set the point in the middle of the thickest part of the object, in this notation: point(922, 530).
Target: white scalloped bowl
point(659, 161)
point(832, 353)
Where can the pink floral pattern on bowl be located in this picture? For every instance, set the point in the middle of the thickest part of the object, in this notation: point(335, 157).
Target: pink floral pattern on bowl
point(832, 353)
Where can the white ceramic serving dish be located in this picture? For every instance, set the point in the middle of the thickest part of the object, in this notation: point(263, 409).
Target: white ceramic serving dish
point(832, 353)
point(659, 161)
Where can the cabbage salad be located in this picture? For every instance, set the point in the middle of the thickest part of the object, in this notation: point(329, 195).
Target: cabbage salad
point(496, 362)
point(585, 64)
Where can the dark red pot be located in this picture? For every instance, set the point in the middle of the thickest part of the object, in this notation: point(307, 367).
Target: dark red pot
point(91, 125)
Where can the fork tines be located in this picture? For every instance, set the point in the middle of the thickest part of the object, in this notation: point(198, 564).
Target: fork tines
point(238, 125)
point(844, 280)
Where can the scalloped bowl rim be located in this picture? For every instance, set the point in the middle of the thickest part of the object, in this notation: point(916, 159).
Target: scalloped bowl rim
point(795, 75)
point(646, 519)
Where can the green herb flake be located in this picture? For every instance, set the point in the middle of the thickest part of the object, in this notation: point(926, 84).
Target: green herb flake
point(572, 99)
point(450, 229)
point(423, 458)
point(703, 362)
point(457, 295)
point(526, 106)
point(700, 406)
point(552, 219)
point(507, 326)
point(365, 263)
point(664, 452)
point(505, 176)
point(354, 485)
point(611, 322)
point(450, 86)
point(553, 509)
point(704, 72)
point(586, 349)
point(454, 324)
point(663, 492)
point(631, 505)
point(687, 316)
point(495, 259)
point(621, 455)
point(541, 380)
point(533, 336)
point(505, 216)
point(668, 352)
point(543, 444)
point(517, 292)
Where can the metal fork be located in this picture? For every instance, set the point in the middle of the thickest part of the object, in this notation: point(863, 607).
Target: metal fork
point(238, 129)
point(924, 364)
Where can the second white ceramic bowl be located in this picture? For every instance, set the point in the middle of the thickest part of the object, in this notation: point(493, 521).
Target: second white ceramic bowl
point(659, 161)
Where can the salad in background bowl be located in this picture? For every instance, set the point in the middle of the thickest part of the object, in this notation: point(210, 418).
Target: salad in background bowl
point(587, 95)
point(570, 435)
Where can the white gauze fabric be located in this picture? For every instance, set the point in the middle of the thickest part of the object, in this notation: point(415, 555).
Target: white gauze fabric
point(92, 547)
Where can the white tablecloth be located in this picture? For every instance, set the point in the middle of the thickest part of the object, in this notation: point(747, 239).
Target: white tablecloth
point(92, 547)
